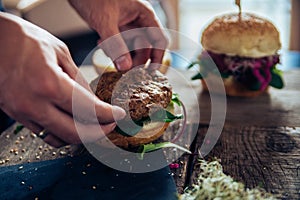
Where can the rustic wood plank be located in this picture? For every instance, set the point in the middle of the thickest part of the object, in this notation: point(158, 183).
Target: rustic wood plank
point(181, 173)
point(260, 156)
point(25, 147)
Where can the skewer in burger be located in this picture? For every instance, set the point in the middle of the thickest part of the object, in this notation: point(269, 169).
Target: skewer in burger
point(244, 47)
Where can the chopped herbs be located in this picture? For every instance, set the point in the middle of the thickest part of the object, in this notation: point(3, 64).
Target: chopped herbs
point(152, 147)
point(212, 183)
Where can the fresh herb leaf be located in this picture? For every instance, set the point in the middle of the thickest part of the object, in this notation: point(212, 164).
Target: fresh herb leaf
point(197, 76)
point(18, 129)
point(255, 86)
point(277, 81)
point(224, 75)
point(129, 128)
point(193, 63)
point(175, 99)
point(152, 147)
point(164, 116)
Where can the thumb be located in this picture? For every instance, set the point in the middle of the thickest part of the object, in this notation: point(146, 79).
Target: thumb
point(114, 46)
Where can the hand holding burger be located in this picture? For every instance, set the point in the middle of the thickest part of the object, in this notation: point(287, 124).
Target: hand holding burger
point(146, 96)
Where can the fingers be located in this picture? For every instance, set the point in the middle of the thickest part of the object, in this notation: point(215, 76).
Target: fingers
point(115, 47)
point(67, 64)
point(84, 106)
point(54, 141)
point(142, 52)
point(159, 44)
point(71, 131)
point(154, 31)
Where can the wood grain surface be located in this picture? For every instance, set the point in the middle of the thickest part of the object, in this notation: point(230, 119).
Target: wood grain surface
point(267, 157)
point(259, 144)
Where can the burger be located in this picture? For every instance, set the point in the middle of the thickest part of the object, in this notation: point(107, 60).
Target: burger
point(244, 48)
point(146, 96)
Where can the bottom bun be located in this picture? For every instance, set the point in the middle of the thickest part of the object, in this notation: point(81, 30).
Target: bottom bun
point(232, 87)
point(148, 134)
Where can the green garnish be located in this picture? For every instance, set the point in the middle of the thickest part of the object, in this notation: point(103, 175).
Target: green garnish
point(164, 116)
point(197, 76)
point(212, 184)
point(193, 63)
point(204, 63)
point(255, 86)
point(132, 128)
point(175, 99)
point(224, 75)
point(152, 147)
point(18, 129)
point(277, 81)
point(205, 69)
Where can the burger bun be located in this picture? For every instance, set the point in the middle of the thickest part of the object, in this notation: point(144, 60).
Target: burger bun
point(232, 87)
point(245, 35)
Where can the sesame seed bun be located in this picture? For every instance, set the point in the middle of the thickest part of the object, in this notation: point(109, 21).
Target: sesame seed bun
point(247, 36)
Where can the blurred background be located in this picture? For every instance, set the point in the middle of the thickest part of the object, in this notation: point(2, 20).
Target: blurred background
point(189, 17)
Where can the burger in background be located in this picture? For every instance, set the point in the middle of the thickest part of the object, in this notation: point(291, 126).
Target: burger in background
point(103, 63)
point(244, 48)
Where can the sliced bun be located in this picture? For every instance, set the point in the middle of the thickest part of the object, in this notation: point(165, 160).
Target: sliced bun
point(148, 134)
point(247, 36)
point(103, 63)
point(232, 87)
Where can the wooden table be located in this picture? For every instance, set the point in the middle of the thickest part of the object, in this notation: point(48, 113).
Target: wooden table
point(259, 144)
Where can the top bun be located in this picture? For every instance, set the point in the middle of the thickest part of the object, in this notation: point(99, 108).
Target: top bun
point(246, 36)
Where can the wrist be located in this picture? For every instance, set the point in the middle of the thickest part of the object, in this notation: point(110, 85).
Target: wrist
point(10, 22)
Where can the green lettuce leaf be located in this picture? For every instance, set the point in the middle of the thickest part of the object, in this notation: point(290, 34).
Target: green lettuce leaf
point(132, 128)
point(277, 81)
point(152, 147)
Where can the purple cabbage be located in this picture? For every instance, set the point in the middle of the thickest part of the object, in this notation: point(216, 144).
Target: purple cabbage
point(246, 70)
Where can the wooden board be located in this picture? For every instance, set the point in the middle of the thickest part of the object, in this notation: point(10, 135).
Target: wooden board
point(267, 157)
point(25, 146)
point(259, 145)
point(182, 174)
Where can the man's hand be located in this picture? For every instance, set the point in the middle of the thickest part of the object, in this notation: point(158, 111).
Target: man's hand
point(110, 17)
point(37, 86)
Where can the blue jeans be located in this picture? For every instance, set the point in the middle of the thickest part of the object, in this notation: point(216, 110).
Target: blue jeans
point(1, 8)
